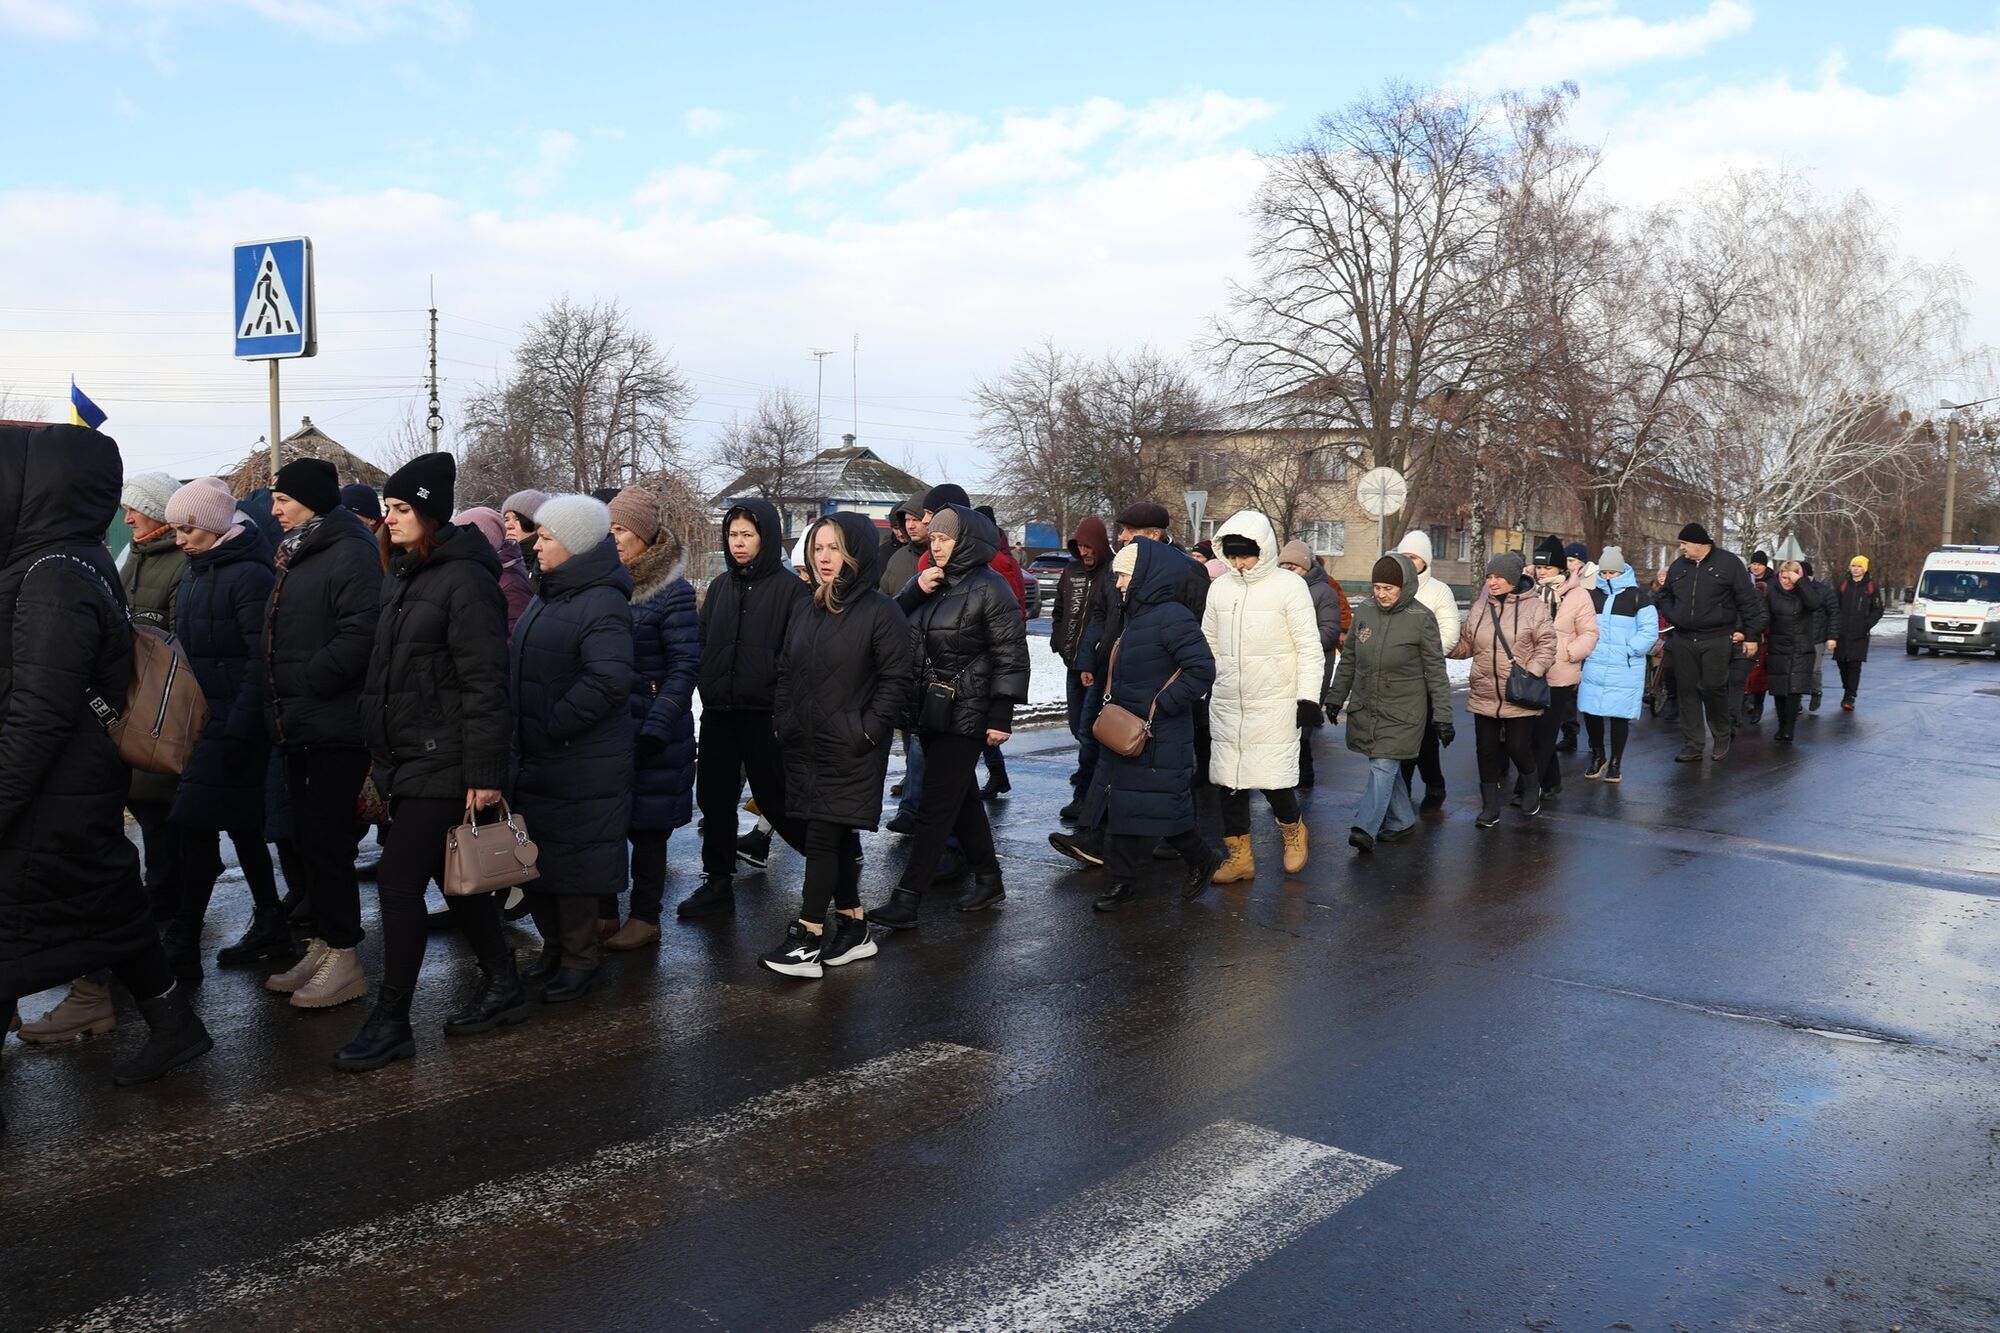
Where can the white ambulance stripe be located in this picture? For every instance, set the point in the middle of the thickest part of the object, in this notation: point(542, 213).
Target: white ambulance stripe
point(471, 1218)
point(1142, 1249)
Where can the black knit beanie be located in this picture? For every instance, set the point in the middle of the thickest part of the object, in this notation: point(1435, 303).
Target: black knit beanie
point(1549, 552)
point(946, 493)
point(425, 485)
point(312, 482)
point(1696, 533)
point(1387, 570)
point(1234, 545)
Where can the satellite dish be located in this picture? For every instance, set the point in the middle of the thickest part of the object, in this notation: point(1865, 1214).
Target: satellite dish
point(1383, 491)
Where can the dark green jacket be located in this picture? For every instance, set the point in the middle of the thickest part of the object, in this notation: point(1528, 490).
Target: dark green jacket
point(1391, 675)
point(152, 577)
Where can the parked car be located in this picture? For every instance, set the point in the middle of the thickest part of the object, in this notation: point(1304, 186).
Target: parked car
point(1041, 575)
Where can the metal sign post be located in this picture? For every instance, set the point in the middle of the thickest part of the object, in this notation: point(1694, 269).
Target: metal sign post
point(1382, 492)
point(1197, 505)
point(274, 312)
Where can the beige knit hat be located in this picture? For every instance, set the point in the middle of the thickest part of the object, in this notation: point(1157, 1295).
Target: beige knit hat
point(1127, 560)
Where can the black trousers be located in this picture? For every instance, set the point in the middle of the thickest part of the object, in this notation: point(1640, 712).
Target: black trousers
point(1701, 677)
point(1621, 729)
point(1500, 739)
point(1850, 678)
point(951, 805)
point(325, 785)
point(649, 876)
point(1306, 778)
point(201, 866)
point(833, 869)
point(568, 920)
point(160, 844)
point(1740, 668)
point(1559, 716)
point(413, 856)
point(1788, 711)
point(1124, 853)
point(1429, 760)
point(734, 746)
point(1236, 809)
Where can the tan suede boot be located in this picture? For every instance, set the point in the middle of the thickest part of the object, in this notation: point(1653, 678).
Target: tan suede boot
point(1241, 865)
point(1295, 846)
point(84, 1012)
point(299, 973)
point(634, 934)
point(338, 980)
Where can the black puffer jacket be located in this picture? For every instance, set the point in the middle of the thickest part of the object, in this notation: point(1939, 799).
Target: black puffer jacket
point(1796, 619)
point(70, 900)
point(745, 615)
point(434, 708)
point(220, 622)
point(574, 732)
point(1712, 595)
point(319, 633)
point(845, 687)
point(969, 635)
point(1857, 606)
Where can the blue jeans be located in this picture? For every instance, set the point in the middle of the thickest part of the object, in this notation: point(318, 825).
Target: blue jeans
point(1082, 716)
point(1385, 802)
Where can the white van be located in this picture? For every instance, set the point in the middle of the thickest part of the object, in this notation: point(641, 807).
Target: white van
point(1957, 604)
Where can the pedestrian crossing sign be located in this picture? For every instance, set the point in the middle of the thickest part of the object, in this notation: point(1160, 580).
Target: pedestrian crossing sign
point(274, 299)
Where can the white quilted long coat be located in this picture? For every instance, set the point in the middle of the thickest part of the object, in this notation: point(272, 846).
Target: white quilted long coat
point(1261, 627)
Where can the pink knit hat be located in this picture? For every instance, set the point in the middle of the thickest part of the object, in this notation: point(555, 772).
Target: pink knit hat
point(491, 526)
point(203, 503)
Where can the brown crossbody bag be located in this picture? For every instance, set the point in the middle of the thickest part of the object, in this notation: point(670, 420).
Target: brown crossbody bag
point(1119, 729)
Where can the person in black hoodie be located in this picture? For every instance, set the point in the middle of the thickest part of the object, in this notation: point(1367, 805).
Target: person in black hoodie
point(219, 620)
point(318, 634)
point(70, 891)
point(971, 649)
point(1077, 590)
point(745, 617)
point(434, 713)
point(1716, 614)
point(574, 735)
point(844, 684)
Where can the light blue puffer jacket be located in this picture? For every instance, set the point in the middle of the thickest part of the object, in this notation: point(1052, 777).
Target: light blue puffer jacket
point(1614, 675)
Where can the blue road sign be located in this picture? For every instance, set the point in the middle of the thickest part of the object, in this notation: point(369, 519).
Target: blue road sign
point(274, 299)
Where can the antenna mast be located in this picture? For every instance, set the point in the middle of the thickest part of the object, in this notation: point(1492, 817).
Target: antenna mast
point(436, 419)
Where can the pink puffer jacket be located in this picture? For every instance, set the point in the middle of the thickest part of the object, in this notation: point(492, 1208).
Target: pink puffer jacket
point(1576, 631)
point(1529, 632)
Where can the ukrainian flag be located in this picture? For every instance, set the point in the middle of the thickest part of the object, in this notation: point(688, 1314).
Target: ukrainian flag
point(81, 410)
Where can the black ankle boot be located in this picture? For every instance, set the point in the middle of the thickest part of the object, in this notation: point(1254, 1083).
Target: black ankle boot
point(182, 943)
point(716, 896)
point(1531, 800)
point(176, 1037)
point(545, 966)
point(269, 935)
point(1489, 804)
point(501, 999)
point(1433, 798)
point(900, 912)
point(986, 890)
point(384, 1036)
point(1120, 895)
point(571, 983)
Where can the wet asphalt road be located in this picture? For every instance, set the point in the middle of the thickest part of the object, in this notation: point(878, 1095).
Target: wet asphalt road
point(1714, 1048)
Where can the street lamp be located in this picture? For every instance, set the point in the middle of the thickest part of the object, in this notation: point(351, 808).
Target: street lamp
point(1951, 459)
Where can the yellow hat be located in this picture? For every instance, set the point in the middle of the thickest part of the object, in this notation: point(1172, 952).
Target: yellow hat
point(1860, 560)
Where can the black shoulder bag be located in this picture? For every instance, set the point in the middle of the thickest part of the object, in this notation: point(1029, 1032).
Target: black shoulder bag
point(1524, 688)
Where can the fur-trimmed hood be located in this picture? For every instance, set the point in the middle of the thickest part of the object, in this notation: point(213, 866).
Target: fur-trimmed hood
point(654, 571)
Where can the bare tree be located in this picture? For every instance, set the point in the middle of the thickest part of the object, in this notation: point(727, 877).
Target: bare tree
point(768, 450)
point(1287, 478)
point(1031, 418)
point(18, 406)
point(498, 441)
point(1128, 414)
point(606, 403)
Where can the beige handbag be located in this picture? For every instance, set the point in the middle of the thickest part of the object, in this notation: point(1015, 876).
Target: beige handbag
point(1120, 730)
point(480, 858)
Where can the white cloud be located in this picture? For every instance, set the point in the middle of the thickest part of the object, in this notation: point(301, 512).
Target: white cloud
point(60, 19)
point(553, 150)
point(703, 121)
point(1584, 38)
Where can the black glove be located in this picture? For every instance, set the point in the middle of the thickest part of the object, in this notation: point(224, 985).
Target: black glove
point(1311, 715)
point(237, 754)
point(1446, 733)
point(651, 747)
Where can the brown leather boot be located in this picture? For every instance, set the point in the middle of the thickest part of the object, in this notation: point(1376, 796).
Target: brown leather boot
point(1295, 845)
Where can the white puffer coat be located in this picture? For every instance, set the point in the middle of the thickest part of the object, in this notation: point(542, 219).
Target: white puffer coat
point(1261, 627)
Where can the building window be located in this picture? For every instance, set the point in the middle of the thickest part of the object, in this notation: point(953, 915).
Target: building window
point(1325, 537)
point(1440, 536)
point(1326, 464)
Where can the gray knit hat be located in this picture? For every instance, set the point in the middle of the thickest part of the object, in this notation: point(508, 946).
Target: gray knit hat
point(579, 522)
point(1611, 560)
point(147, 493)
point(525, 503)
point(1507, 565)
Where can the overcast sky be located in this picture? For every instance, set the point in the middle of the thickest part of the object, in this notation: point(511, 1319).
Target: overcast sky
point(947, 182)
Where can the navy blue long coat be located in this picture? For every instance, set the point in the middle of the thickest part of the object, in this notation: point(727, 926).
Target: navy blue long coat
point(571, 677)
point(1152, 794)
point(219, 618)
point(666, 662)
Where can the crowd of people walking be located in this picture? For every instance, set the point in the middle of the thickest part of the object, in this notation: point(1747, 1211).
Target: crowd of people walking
point(389, 661)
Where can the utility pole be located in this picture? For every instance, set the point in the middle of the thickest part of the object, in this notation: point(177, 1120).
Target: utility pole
point(1951, 460)
point(820, 354)
point(436, 419)
point(854, 367)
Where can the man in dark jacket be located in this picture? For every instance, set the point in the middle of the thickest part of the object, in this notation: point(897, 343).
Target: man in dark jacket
point(70, 893)
point(1717, 614)
point(1081, 583)
point(318, 635)
point(900, 552)
point(1857, 608)
point(1823, 631)
point(744, 618)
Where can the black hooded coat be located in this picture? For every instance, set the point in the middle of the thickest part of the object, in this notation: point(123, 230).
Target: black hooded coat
point(574, 732)
point(1796, 618)
point(70, 897)
point(219, 619)
point(1152, 793)
point(319, 632)
point(434, 708)
point(969, 635)
point(745, 615)
point(845, 686)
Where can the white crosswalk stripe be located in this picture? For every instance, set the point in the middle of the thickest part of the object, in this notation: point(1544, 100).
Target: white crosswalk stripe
point(1142, 1249)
